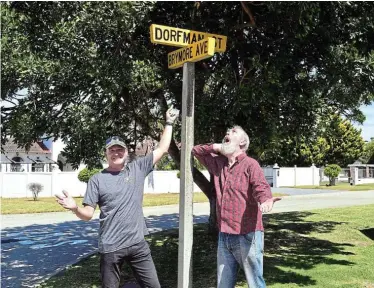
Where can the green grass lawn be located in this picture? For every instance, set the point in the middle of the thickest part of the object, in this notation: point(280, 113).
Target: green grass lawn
point(28, 205)
point(321, 248)
point(339, 186)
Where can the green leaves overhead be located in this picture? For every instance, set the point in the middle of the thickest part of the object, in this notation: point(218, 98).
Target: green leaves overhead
point(84, 71)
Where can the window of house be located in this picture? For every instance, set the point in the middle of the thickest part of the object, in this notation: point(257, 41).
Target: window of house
point(37, 167)
point(16, 165)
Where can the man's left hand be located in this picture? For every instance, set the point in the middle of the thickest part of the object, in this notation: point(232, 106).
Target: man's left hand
point(267, 206)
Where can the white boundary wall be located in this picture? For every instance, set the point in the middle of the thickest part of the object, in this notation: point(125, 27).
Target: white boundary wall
point(268, 172)
point(14, 184)
point(298, 176)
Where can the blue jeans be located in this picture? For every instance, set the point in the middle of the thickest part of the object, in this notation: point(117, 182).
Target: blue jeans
point(244, 250)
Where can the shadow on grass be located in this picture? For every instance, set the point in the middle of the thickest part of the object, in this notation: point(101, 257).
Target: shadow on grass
point(288, 247)
point(368, 233)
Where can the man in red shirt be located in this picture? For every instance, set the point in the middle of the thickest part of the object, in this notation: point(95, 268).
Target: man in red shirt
point(243, 194)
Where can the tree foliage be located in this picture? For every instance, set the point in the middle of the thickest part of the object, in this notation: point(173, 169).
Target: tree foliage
point(336, 141)
point(35, 189)
point(345, 142)
point(85, 174)
point(166, 164)
point(332, 171)
point(88, 71)
point(368, 154)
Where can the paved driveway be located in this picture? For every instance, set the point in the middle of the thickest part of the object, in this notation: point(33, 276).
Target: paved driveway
point(31, 254)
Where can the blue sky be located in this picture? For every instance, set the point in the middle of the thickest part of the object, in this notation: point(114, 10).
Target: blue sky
point(368, 126)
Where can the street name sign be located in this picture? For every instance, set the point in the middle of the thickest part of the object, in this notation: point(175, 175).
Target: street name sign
point(178, 37)
point(192, 53)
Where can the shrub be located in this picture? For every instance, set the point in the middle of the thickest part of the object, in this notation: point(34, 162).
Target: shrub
point(85, 174)
point(35, 189)
point(166, 163)
point(332, 171)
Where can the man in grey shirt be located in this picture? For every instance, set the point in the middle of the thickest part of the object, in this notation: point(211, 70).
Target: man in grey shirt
point(118, 190)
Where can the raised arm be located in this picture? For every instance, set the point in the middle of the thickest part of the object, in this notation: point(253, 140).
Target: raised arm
point(165, 140)
point(206, 154)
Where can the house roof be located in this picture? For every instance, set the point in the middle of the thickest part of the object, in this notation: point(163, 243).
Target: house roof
point(42, 159)
point(36, 147)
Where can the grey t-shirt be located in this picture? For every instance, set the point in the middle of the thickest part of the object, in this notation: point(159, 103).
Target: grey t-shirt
point(120, 198)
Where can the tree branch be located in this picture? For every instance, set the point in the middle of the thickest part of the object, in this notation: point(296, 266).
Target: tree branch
point(248, 12)
point(198, 177)
point(7, 100)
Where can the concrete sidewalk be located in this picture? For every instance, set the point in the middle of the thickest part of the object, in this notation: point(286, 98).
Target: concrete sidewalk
point(299, 191)
point(37, 246)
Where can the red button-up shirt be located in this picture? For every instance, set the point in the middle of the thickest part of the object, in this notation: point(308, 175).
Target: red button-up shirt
point(240, 188)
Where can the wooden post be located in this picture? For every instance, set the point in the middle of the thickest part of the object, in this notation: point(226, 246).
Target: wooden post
point(186, 180)
point(190, 53)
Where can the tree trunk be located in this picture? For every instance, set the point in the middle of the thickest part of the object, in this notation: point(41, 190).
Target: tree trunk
point(198, 177)
point(332, 181)
point(205, 186)
point(213, 229)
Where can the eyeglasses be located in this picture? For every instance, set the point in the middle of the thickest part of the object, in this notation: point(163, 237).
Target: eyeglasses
point(115, 138)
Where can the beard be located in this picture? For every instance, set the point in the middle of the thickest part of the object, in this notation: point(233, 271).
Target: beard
point(228, 148)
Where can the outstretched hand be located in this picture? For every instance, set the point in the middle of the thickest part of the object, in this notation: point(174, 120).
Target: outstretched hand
point(67, 202)
point(267, 206)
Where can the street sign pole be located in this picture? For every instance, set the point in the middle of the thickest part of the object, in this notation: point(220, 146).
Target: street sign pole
point(196, 46)
point(186, 180)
